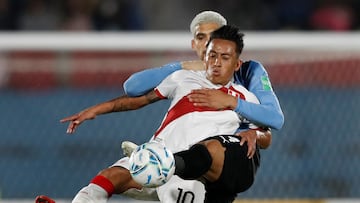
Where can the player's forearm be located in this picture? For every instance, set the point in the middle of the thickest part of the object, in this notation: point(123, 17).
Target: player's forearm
point(126, 103)
point(144, 81)
point(123, 103)
point(266, 114)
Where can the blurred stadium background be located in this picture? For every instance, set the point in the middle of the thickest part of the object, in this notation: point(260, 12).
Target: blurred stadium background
point(49, 70)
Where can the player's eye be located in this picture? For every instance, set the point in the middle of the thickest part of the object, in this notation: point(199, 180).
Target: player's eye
point(212, 55)
point(200, 37)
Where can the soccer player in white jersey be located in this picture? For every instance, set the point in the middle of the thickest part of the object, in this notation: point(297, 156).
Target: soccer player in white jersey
point(222, 60)
point(252, 75)
point(201, 27)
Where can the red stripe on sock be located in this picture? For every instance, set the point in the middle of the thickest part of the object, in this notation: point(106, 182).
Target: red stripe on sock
point(104, 183)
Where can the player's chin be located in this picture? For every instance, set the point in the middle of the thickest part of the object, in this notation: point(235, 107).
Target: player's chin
point(217, 81)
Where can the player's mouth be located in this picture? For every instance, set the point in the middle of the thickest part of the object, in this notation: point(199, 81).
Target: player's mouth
point(216, 72)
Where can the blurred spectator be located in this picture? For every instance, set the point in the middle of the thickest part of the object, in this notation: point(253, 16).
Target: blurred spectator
point(90, 15)
point(39, 15)
point(77, 15)
point(293, 14)
point(4, 15)
point(333, 17)
point(9, 14)
point(118, 15)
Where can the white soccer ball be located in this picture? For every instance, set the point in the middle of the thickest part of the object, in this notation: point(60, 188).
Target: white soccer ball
point(151, 164)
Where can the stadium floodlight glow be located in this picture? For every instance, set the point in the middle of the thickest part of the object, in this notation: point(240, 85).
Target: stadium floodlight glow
point(172, 41)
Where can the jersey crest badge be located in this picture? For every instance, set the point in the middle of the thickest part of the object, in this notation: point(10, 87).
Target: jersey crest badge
point(266, 83)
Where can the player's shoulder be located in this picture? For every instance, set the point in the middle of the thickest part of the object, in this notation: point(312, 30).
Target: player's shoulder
point(178, 73)
point(182, 74)
point(187, 72)
point(253, 67)
point(253, 64)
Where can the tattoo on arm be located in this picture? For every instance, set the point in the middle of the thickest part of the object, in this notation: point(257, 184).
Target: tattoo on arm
point(125, 103)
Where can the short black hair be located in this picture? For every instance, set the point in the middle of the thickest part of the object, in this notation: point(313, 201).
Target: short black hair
point(231, 33)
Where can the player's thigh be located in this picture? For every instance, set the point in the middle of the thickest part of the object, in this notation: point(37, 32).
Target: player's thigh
point(217, 152)
point(238, 170)
point(178, 190)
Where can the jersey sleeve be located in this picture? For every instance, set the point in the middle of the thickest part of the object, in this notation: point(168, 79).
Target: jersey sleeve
point(167, 87)
point(142, 82)
point(268, 113)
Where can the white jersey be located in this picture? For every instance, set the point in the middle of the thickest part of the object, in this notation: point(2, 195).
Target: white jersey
point(184, 124)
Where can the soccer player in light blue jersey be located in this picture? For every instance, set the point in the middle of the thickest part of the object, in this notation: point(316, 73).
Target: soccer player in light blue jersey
point(252, 75)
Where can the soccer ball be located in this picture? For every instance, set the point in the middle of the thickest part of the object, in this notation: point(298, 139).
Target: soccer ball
point(151, 164)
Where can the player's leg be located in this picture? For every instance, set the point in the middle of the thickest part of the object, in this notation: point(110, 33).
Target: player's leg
point(193, 163)
point(113, 180)
point(174, 191)
point(203, 160)
point(179, 190)
point(238, 171)
point(128, 147)
point(223, 163)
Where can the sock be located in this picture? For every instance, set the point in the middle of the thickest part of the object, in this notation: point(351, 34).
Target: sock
point(104, 183)
point(98, 191)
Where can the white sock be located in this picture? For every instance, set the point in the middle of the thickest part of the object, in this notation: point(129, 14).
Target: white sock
point(91, 194)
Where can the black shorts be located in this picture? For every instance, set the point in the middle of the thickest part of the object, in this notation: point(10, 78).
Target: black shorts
point(238, 171)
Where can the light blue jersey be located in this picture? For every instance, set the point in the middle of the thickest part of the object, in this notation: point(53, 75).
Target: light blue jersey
point(252, 75)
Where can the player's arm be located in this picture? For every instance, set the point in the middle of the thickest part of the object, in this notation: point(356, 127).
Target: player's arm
point(262, 136)
point(268, 113)
point(144, 81)
point(255, 137)
point(123, 103)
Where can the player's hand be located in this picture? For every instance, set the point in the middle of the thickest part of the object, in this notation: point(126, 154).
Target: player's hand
point(76, 119)
point(212, 98)
point(250, 137)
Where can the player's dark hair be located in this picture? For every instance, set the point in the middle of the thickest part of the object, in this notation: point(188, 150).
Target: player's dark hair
point(231, 33)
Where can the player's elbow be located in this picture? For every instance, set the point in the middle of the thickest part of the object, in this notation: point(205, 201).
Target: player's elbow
point(132, 87)
point(278, 121)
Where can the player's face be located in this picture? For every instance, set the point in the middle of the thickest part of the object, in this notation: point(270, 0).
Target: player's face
point(201, 37)
point(221, 61)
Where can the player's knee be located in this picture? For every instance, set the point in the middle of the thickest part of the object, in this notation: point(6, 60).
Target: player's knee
point(110, 173)
point(193, 163)
point(120, 178)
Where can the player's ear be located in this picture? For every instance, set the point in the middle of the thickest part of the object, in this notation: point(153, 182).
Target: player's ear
point(238, 65)
point(193, 44)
